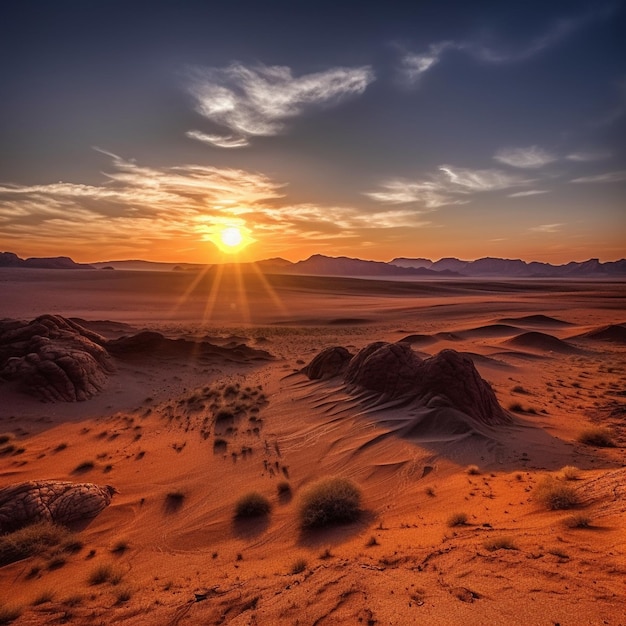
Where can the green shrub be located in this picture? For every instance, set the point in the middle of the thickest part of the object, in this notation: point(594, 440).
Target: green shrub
point(329, 501)
point(252, 504)
point(555, 495)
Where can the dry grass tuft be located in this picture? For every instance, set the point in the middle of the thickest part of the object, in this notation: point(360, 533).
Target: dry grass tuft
point(598, 437)
point(555, 495)
point(499, 543)
point(569, 472)
point(252, 504)
point(105, 573)
point(298, 566)
point(329, 501)
point(9, 614)
point(37, 539)
point(457, 519)
point(577, 521)
point(473, 470)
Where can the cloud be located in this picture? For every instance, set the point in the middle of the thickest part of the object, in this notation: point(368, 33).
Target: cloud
point(530, 192)
point(448, 186)
point(138, 209)
point(608, 177)
point(587, 156)
point(546, 228)
point(256, 101)
point(531, 157)
point(220, 141)
point(414, 65)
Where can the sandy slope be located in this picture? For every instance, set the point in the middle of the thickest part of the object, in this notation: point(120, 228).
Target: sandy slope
point(151, 434)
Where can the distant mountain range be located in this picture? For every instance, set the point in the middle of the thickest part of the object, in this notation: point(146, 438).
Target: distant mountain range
point(321, 265)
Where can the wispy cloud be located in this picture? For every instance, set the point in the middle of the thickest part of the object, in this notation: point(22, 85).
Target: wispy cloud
point(546, 228)
point(608, 177)
point(138, 209)
point(449, 185)
point(415, 64)
point(531, 157)
point(257, 101)
point(220, 141)
point(585, 156)
point(530, 192)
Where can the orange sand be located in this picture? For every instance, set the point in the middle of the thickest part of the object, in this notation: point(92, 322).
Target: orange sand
point(147, 435)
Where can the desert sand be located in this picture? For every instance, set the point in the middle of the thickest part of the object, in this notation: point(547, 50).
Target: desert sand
point(182, 431)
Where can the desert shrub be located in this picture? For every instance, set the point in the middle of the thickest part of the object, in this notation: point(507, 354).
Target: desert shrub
point(555, 495)
point(174, 500)
point(473, 470)
point(252, 504)
point(371, 542)
point(517, 407)
point(577, 521)
point(9, 614)
point(598, 437)
point(298, 566)
point(83, 467)
point(36, 539)
point(569, 472)
point(123, 594)
point(104, 573)
point(283, 488)
point(6, 437)
point(43, 597)
point(457, 519)
point(499, 543)
point(120, 547)
point(329, 501)
point(430, 491)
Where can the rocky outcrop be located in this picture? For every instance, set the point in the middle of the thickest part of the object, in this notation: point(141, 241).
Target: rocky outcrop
point(53, 358)
point(53, 501)
point(448, 380)
point(328, 363)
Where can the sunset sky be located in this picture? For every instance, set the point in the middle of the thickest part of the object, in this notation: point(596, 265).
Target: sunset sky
point(135, 129)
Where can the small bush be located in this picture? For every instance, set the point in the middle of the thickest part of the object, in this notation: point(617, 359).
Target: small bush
point(569, 472)
point(517, 407)
point(329, 501)
point(499, 543)
point(598, 437)
point(104, 573)
point(252, 504)
point(577, 521)
point(283, 488)
point(555, 495)
point(430, 491)
point(473, 470)
point(83, 467)
point(457, 519)
point(298, 566)
point(174, 500)
point(43, 598)
point(123, 594)
point(33, 540)
point(371, 542)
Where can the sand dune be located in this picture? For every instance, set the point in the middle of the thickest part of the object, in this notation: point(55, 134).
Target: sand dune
point(615, 333)
point(451, 530)
point(542, 342)
point(544, 321)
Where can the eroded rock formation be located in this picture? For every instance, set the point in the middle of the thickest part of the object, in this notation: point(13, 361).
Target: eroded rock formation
point(328, 363)
point(54, 358)
point(49, 500)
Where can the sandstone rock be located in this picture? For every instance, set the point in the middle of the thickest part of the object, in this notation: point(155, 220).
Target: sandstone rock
point(328, 363)
point(387, 368)
point(48, 500)
point(54, 358)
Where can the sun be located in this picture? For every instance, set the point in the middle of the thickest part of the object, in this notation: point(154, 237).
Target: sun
point(231, 237)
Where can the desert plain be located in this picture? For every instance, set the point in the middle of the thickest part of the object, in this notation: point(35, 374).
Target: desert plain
point(452, 528)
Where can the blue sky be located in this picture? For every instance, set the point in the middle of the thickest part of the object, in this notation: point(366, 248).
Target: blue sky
point(427, 129)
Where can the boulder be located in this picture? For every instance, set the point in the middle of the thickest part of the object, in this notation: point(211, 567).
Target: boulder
point(54, 358)
point(328, 363)
point(60, 502)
